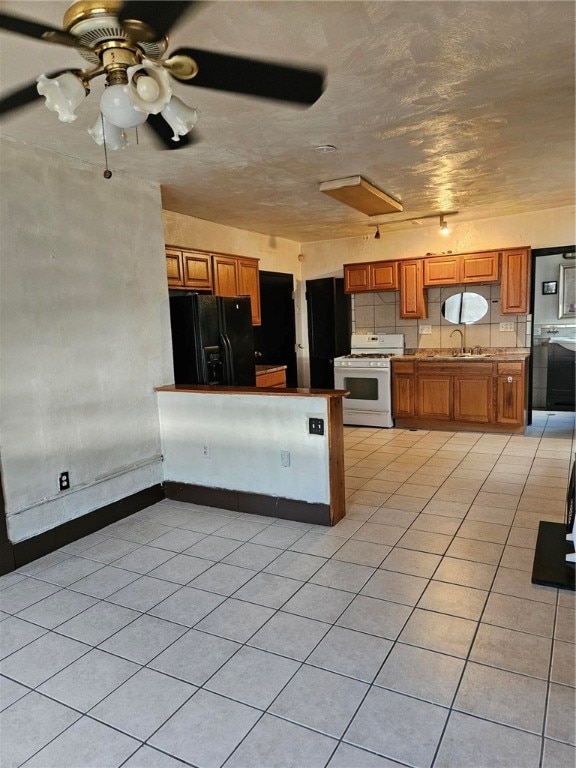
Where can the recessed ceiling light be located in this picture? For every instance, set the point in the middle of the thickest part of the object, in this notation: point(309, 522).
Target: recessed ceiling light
point(325, 148)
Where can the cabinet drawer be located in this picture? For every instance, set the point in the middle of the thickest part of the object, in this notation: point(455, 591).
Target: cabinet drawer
point(403, 367)
point(515, 368)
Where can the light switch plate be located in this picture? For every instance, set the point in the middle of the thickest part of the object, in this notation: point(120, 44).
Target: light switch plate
point(506, 326)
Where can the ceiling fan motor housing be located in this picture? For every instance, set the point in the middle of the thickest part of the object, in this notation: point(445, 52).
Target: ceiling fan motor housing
point(95, 23)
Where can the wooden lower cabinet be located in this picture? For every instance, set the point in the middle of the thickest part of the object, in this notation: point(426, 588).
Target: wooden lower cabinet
point(434, 397)
point(473, 398)
point(275, 378)
point(403, 395)
point(474, 395)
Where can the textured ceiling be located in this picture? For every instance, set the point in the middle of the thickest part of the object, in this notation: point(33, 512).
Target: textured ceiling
point(465, 106)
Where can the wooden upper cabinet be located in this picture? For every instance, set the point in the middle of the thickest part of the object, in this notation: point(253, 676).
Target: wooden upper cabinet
point(412, 296)
point(441, 270)
point(174, 268)
point(249, 285)
point(515, 288)
point(225, 276)
point(462, 268)
point(197, 269)
point(356, 278)
point(383, 276)
point(189, 269)
point(237, 276)
point(219, 274)
point(371, 276)
point(480, 267)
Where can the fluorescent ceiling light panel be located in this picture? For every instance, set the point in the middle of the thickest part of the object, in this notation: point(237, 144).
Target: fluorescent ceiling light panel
point(361, 195)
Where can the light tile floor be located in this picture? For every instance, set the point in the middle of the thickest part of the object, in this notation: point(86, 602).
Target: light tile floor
point(408, 634)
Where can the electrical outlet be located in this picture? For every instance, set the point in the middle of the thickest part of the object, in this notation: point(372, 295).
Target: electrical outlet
point(507, 326)
point(64, 481)
point(425, 329)
point(316, 426)
point(206, 451)
point(284, 458)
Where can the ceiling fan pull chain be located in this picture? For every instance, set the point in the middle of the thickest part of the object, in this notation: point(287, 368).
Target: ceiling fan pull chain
point(107, 173)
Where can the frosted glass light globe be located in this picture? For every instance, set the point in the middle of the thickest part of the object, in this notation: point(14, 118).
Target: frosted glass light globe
point(147, 88)
point(116, 106)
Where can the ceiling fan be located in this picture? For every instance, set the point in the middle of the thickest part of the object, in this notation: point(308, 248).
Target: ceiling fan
point(126, 42)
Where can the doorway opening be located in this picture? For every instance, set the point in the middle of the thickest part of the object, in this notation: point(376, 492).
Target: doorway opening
point(275, 339)
point(552, 362)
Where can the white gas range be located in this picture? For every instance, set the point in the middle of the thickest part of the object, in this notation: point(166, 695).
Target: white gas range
point(365, 373)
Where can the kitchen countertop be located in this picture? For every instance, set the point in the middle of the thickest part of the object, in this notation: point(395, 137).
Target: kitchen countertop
point(445, 355)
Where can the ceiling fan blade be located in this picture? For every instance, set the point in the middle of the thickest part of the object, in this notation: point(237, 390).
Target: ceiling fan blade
point(252, 77)
point(161, 15)
point(40, 31)
point(164, 134)
point(26, 94)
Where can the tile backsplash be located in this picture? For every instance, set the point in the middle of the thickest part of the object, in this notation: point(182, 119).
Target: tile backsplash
point(380, 313)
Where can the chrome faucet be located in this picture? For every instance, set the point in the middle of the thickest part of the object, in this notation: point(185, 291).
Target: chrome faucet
point(457, 330)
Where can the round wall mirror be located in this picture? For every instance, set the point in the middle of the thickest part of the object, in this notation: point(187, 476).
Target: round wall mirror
point(464, 308)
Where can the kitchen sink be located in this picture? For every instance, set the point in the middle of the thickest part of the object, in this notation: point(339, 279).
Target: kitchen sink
point(463, 356)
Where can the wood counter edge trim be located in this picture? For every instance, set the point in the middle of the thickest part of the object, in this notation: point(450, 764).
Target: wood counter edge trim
point(336, 477)
point(209, 389)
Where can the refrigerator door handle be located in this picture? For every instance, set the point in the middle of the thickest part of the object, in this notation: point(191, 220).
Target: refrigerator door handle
point(228, 359)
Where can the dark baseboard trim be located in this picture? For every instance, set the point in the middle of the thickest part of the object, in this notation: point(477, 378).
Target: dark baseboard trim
point(253, 503)
point(23, 552)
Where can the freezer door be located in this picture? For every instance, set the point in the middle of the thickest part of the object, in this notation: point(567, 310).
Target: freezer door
point(237, 340)
point(196, 339)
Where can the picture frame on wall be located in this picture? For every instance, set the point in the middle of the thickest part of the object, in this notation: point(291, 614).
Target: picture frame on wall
point(567, 292)
point(550, 287)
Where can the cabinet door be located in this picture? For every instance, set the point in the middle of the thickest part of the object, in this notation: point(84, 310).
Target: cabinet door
point(443, 270)
point(384, 276)
point(249, 285)
point(473, 398)
point(515, 282)
point(434, 397)
point(510, 400)
point(480, 267)
point(356, 278)
point(412, 297)
point(403, 395)
point(174, 268)
point(225, 276)
point(197, 269)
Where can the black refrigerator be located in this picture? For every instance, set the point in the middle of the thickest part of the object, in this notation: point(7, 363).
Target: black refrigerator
point(212, 339)
point(329, 328)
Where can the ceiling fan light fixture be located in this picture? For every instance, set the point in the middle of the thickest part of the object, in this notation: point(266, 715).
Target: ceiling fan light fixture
point(104, 130)
point(117, 107)
point(150, 88)
point(180, 117)
point(377, 233)
point(63, 94)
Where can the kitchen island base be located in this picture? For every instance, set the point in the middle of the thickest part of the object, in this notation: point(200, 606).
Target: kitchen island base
point(253, 450)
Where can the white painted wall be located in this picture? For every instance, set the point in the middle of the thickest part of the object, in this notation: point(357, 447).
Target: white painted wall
point(245, 435)
point(85, 337)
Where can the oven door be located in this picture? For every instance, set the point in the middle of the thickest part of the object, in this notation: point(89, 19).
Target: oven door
point(369, 392)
